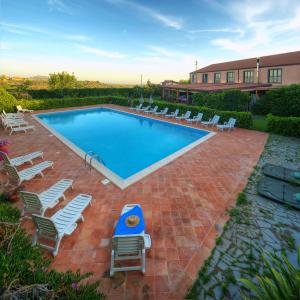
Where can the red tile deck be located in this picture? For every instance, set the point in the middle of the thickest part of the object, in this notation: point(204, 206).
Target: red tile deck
point(182, 203)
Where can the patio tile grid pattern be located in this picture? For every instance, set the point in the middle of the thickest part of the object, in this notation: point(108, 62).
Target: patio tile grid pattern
point(182, 202)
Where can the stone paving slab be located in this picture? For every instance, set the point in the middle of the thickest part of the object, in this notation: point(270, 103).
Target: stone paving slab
point(182, 202)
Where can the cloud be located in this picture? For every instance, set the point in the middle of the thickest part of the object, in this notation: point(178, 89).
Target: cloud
point(5, 46)
point(162, 51)
point(78, 38)
point(166, 20)
point(61, 6)
point(100, 52)
point(265, 28)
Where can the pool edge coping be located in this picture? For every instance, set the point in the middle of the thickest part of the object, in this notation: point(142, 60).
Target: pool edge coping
point(113, 177)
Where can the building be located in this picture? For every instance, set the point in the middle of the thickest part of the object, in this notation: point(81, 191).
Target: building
point(255, 75)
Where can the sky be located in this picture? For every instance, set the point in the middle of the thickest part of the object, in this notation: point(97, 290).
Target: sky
point(115, 41)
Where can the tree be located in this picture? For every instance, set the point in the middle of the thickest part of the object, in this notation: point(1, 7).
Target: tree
point(62, 80)
point(184, 81)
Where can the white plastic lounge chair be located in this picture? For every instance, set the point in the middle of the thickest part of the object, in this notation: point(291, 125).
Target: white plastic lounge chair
point(39, 203)
point(152, 111)
point(214, 121)
point(9, 123)
point(129, 247)
point(136, 107)
point(21, 129)
point(227, 125)
point(62, 223)
point(162, 112)
point(173, 114)
point(196, 119)
point(23, 110)
point(27, 174)
point(144, 108)
point(20, 160)
point(12, 115)
point(184, 116)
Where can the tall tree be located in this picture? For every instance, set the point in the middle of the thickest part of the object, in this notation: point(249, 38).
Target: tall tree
point(62, 80)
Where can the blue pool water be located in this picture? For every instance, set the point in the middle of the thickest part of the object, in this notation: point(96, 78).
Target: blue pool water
point(125, 142)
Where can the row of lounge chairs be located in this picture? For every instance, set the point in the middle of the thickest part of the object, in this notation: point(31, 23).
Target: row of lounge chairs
point(230, 124)
point(64, 221)
point(14, 122)
point(127, 243)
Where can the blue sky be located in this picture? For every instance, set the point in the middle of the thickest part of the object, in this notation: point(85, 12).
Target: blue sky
point(117, 40)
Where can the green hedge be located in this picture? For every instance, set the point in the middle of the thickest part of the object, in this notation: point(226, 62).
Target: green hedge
point(232, 100)
point(289, 126)
point(72, 102)
point(284, 102)
point(7, 101)
point(244, 119)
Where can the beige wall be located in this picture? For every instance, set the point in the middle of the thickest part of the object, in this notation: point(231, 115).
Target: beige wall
point(290, 74)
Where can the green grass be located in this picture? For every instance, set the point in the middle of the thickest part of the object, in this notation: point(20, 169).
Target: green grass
point(259, 123)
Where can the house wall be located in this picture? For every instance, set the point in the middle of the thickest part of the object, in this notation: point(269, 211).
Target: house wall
point(290, 74)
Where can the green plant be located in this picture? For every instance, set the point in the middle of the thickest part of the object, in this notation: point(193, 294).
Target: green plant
point(26, 274)
point(289, 126)
point(7, 101)
point(281, 280)
point(61, 80)
point(241, 199)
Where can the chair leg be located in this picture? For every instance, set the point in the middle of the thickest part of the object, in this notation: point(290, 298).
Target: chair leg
point(111, 272)
point(35, 238)
point(56, 247)
point(143, 261)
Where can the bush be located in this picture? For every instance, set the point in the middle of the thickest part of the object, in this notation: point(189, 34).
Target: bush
point(289, 126)
point(26, 273)
point(284, 101)
point(232, 100)
point(7, 101)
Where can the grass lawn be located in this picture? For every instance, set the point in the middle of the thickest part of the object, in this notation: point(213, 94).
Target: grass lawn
point(259, 123)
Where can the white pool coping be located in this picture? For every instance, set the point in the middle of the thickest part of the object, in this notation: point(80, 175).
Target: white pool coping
point(117, 180)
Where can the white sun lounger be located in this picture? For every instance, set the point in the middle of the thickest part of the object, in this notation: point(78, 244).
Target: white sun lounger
point(173, 114)
point(27, 174)
point(11, 115)
point(129, 247)
point(227, 125)
point(136, 107)
point(39, 203)
point(196, 119)
point(21, 129)
point(144, 108)
point(151, 111)
point(214, 121)
point(23, 110)
point(162, 112)
point(184, 116)
point(62, 223)
point(20, 160)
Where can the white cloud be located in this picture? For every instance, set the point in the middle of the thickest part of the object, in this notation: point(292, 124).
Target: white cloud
point(78, 38)
point(5, 46)
point(162, 51)
point(265, 28)
point(101, 52)
point(166, 20)
point(61, 6)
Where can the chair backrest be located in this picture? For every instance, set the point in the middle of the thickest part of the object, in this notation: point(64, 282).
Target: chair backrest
point(199, 116)
point(215, 119)
point(165, 110)
point(45, 226)
point(187, 114)
point(128, 244)
point(232, 122)
point(12, 173)
point(5, 157)
point(155, 108)
point(176, 112)
point(140, 105)
point(19, 107)
point(31, 201)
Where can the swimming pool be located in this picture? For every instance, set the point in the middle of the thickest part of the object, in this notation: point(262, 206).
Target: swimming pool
point(129, 146)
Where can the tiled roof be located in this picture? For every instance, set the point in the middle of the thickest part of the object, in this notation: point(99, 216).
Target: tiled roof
point(282, 59)
point(212, 87)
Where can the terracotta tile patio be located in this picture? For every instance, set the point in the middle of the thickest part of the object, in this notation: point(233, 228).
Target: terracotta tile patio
point(182, 203)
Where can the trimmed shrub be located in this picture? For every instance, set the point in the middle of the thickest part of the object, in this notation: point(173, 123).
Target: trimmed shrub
point(284, 102)
point(7, 101)
point(289, 126)
point(232, 100)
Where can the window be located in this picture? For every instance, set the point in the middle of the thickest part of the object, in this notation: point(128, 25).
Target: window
point(230, 77)
point(274, 75)
point(217, 77)
point(193, 78)
point(248, 76)
point(204, 78)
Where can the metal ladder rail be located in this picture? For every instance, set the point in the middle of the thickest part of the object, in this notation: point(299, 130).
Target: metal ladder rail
point(92, 156)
